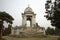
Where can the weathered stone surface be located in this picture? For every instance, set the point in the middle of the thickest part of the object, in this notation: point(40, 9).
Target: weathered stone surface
point(32, 30)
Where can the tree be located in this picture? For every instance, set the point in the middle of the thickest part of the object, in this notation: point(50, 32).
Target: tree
point(4, 17)
point(57, 31)
point(54, 13)
point(7, 31)
point(36, 24)
point(50, 31)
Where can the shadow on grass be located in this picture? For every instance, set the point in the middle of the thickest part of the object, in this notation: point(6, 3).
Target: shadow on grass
point(59, 38)
point(3, 39)
point(35, 36)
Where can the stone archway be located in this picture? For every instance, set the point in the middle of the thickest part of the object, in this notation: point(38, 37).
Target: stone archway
point(28, 22)
point(28, 15)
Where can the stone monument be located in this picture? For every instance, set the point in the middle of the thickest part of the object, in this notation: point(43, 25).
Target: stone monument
point(33, 30)
point(28, 15)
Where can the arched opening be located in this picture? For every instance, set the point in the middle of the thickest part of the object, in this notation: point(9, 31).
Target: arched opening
point(28, 23)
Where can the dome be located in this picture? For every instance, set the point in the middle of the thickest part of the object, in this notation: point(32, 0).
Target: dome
point(28, 9)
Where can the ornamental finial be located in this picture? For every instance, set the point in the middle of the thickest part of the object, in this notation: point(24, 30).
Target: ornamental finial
point(28, 5)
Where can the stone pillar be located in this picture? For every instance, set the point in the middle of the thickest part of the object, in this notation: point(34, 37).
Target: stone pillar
point(33, 20)
point(31, 23)
point(23, 20)
point(12, 31)
point(17, 32)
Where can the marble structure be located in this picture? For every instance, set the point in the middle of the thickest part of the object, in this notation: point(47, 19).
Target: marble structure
point(33, 29)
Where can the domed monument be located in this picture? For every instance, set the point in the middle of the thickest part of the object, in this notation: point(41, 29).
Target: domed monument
point(28, 15)
point(33, 29)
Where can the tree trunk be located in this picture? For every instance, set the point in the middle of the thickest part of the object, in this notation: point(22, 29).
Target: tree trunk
point(0, 34)
point(1, 25)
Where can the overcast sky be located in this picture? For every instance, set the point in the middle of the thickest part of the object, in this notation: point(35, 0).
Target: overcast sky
point(16, 7)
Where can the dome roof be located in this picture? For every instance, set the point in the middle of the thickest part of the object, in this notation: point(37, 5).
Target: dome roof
point(28, 9)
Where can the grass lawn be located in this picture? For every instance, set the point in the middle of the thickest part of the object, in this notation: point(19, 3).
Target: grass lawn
point(48, 37)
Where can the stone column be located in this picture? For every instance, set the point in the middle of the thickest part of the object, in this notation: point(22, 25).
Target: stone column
point(12, 31)
point(23, 20)
point(33, 21)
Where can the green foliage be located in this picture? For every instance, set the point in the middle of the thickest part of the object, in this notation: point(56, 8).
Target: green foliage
point(50, 31)
point(7, 31)
point(9, 28)
point(57, 31)
point(55, 19)
point(3, 39)
point(6, 17)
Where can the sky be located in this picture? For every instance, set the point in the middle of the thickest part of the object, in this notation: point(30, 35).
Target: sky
point(16, 7)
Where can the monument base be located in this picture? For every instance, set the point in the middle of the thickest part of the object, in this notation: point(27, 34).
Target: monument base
point(31, 32)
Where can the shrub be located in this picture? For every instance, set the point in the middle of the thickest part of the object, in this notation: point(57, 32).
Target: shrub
point(3, 39)
point(59, 38)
